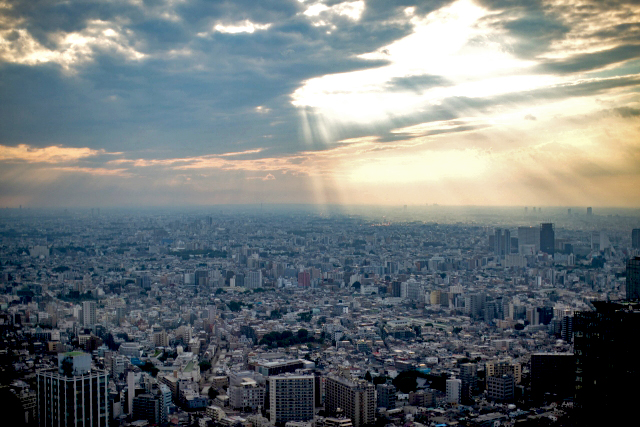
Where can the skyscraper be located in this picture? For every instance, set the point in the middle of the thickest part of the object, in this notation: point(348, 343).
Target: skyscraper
point(356, 398)
point(502, 242)
point(89, 313)
point(528, 236)
point(547, 238)
point(73, 394)
point(607, 366)
point(633, 279)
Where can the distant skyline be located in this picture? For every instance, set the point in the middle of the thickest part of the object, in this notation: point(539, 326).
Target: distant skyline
point(192, 103)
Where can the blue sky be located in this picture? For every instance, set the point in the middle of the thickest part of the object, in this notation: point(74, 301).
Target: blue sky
point(132, 102)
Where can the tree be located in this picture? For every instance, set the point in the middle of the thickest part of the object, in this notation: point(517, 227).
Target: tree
point(205, 365)
point(213, 393)
point(302, 334)
point(356, 285)
point(368, 377)
point(67, 367)
point(379, 380)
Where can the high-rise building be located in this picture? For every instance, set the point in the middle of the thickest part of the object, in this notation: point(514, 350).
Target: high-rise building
point(589, 211)
point(633, 279)
point(357, 399)
point(469, 381)
point(501, 388)
point(386, 396)
point(552, 373)
point(454, 390)
point(606, 363)
point(254, 279)
point(528, 236)
point(635, 238)
point(88, 313)
point(74, 394)
point(502, 242)
point(147, 407)
point(547, 238)
point(291, 398)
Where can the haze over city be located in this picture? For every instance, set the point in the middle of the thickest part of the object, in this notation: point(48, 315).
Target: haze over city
point(195, 103)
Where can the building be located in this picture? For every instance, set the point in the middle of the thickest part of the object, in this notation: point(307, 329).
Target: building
point(552, 373)
point(469, 381)
point(147, 407)
point(547, 238)
point(74, 394)
point(635, 238)
point(606, 362)
point(528, 236)
point(291, 398)
point(356, 398)
point(501, 388)
point(498, 369)
point(633, 279)
point(386, 396)
point(454, 390)
point(89, 313)
point(254, 280)
point(502, 242)
point(246, 393)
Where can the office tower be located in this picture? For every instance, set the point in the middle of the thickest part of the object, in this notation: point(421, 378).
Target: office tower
point(73, 394)
point(386, 396)
point(454, 390)
point(547, 238)
point(528, 236)
point(474, 304)
point(501, 389)
point(589, 211)
point(88, 313)
point(291, 398)
point(131, 391)
point(569, 211)
point(552, 373)
point(357, 398)
point(635, 238)
point(607, 368)
point(502, 242)
point(254, 279)
point(633, 279)
point(469, 381)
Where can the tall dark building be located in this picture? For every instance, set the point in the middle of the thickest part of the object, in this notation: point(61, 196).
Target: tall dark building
point(633, 279)
point(635, 238)
point(552, 373)
point(469, 378)
point(547, 238)
point(607, 368)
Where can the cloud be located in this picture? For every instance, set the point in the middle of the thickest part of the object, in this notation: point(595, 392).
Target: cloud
point(245, 26)
point(52, 154)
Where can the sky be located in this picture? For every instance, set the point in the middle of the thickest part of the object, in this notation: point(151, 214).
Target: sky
point(365, 102)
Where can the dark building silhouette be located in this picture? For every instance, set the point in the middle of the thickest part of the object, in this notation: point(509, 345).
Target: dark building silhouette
point(635, 238)
point(607, 369)
point(552, 374)
point(633, 279)
point(547, 238)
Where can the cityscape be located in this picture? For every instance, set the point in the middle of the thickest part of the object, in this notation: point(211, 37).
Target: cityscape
point(299, 317)
point(319, 213)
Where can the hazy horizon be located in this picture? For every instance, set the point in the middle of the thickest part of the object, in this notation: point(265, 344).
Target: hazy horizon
point(349, 103)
